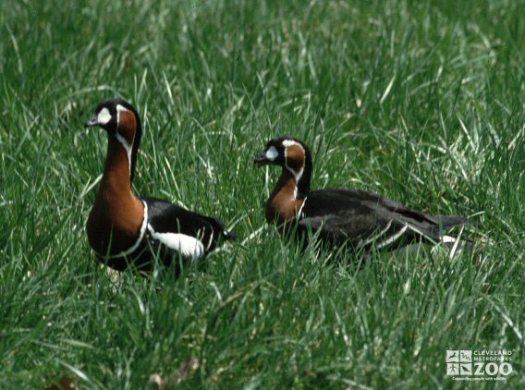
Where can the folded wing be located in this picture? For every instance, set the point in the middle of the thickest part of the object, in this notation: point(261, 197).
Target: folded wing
point(183, 232)
point(362, 218)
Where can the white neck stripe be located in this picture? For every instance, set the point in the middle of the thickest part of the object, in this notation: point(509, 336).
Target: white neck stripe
point(127, 147)
point(296, 175)
point(123, 141)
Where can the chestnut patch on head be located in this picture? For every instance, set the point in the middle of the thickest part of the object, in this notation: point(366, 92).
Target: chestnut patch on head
point(295, 157)
point(127, 124)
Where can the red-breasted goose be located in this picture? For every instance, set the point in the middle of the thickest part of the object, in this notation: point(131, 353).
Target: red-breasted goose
point(359, 218)
point(125, 229)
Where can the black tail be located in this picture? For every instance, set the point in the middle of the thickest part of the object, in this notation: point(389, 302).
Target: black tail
point(445, 222)
point(219, 225)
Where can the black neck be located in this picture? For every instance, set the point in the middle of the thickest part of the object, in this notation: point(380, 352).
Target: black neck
point(303, 184)
point(136, 145)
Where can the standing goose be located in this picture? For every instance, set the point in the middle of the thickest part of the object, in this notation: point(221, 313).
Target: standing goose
point(124, 229)
point(358, 218)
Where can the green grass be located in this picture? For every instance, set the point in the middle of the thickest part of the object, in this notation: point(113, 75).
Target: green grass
point(421, 102)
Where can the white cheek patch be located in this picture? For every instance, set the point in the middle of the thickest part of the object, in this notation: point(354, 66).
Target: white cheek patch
point(103, 116)
point(272, 153)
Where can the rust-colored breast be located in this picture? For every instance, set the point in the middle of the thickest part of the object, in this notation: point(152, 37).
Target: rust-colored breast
point(114, 225)
point(116, 217)
point(282, 204)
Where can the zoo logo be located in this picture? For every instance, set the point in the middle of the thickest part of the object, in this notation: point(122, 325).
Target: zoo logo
point(480, 365)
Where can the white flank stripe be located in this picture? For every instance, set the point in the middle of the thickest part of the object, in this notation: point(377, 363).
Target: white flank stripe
point(133, 247)
point(210, 241)
point(422, 234)
point(393, 238)
point(187, 246)
point(374, 238)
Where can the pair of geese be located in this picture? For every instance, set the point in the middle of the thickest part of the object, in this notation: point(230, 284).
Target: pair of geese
point(124, 229)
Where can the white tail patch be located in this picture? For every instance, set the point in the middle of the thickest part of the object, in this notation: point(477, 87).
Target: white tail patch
point(186, 246)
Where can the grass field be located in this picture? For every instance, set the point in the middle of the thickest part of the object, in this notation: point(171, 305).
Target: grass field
point(422, 103)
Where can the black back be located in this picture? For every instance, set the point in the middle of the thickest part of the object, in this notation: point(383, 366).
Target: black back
point(166, 217)
point(355, 217)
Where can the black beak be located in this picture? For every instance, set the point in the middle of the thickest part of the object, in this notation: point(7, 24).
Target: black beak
point(92, 122)
point(261, 160)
